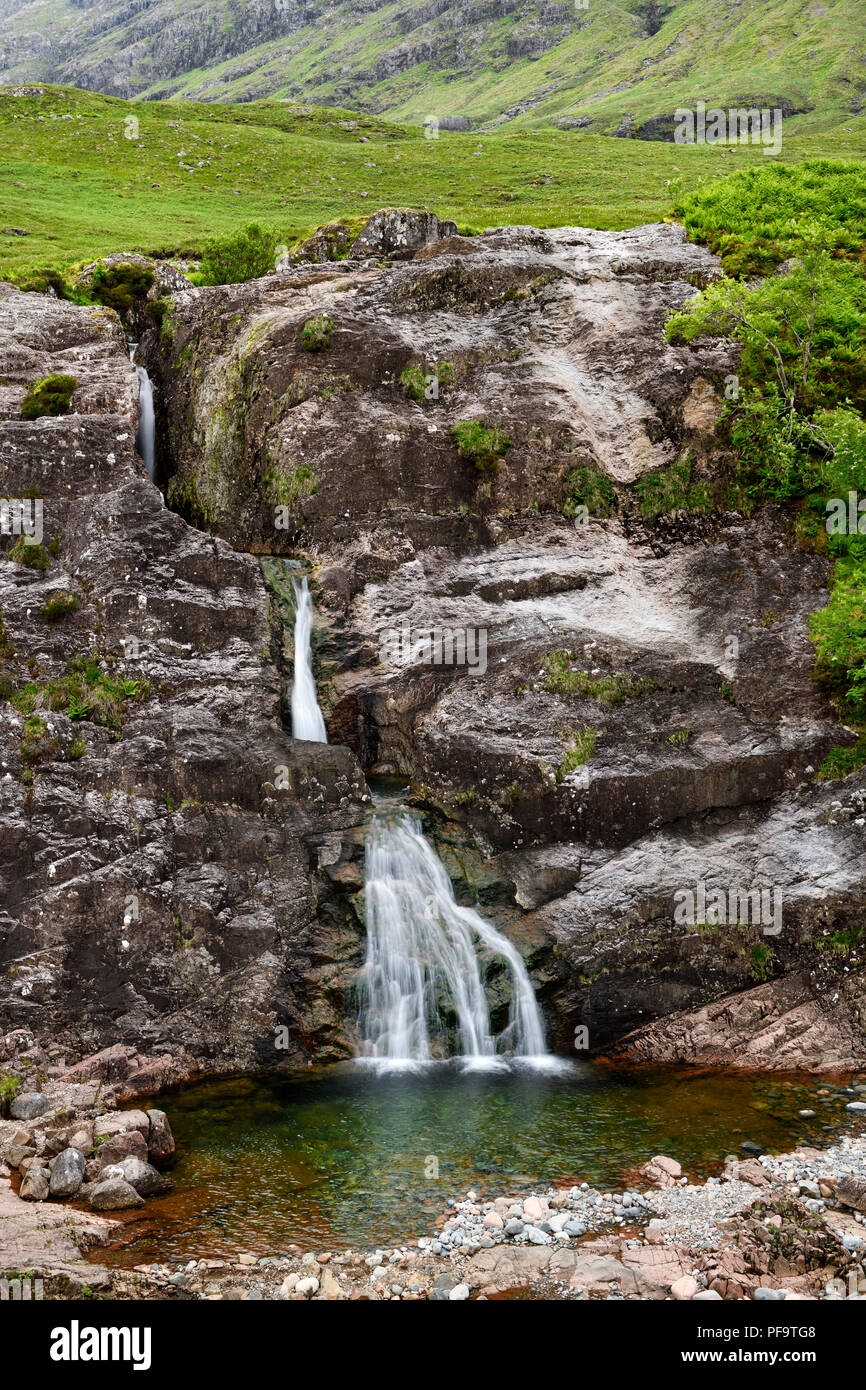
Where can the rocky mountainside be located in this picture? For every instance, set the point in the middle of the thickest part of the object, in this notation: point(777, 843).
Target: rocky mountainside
point(633, 715)
point(421, 426)
point(614, 67)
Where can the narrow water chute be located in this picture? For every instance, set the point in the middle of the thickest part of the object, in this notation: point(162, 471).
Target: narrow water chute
point(307, 720)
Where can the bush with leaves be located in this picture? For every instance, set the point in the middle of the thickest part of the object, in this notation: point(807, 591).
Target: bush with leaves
point(756, 219)
point(483, 444)
point(244, 255)
point(119, 287)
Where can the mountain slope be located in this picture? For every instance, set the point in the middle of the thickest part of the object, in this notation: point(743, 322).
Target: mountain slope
point(609, 66)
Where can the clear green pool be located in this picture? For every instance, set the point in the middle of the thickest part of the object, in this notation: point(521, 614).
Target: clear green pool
point(342, 1157)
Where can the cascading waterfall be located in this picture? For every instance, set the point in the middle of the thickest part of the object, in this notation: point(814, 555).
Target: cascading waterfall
point(307, 721)
point(145, 440)
point(421, 950)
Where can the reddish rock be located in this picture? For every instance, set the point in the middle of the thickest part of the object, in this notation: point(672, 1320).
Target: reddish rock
point(132, 1144)
point(851, 1192)
point(662, 1171)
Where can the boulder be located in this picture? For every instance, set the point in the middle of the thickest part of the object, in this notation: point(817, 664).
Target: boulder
point(34, 1186)
point(121, 1122)
point(115, 1194)
point(851, 1192)
point(131, 1144)
point(146, 1180)
point(29, 1105)
point(749, 1170)
point(399, 233)
point(662, 1171)
point(160, 1140)
point(67, 1173)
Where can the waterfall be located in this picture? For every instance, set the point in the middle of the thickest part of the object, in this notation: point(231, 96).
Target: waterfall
point(144, 440)
point(422, 954)
point(307, 721)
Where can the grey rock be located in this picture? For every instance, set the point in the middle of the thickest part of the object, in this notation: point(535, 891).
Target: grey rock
point(146, 1180)
point(29, 1105)
point(34, 1185)
point(67, 1173)
point(114, 1194)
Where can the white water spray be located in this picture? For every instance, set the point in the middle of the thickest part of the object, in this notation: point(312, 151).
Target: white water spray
point(307, 721)
point(146, 437)
point(422, 957)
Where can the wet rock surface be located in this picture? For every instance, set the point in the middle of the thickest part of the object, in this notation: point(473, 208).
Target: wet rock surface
point(157, 889)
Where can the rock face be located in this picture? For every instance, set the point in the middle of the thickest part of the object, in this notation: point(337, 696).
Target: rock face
point(157, 887)
point(672, 638)
point(630, 721)
point(554, 335)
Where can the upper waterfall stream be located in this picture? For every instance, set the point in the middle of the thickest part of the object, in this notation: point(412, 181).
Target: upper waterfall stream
point(307, 720)
point(145, 440)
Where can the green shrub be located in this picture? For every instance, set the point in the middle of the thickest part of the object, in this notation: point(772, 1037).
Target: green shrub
point(842, 942)
point(483, 445)
point(76, 750)
point(414, 379)
point(842, 761)
point(590, 489)
point(46, 281)
point(680, 737)
point(58, 605)
point(761, 963)
point(156, 310)
point(87, 691)
point(316, 333)
point(671, 490)
point(803, 337)
point(580, 747)
point(9, 1087)
point(755, 218)
point(29, 552)
point(244, 255)
point(839, 634)
point(49, 396)
point(119, 286)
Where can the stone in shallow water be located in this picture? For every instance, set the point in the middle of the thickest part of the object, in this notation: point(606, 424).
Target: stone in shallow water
point(115, 1194)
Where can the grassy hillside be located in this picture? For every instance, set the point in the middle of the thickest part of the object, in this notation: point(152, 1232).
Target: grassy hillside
point(529, 61)
point(79, 187)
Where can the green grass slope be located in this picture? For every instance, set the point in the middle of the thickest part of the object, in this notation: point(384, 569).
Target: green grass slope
point(530, 61)
point(79, 187)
